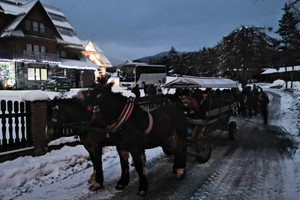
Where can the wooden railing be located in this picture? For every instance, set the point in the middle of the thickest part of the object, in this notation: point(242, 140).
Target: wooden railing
point(14, 125)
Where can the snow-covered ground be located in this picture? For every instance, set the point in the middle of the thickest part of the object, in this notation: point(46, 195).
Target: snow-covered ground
point(26, 177)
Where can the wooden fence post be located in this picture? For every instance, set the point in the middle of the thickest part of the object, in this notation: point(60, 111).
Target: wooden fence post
point(38, 121)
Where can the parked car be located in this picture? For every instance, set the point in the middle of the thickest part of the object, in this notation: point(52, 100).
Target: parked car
point(57, 83)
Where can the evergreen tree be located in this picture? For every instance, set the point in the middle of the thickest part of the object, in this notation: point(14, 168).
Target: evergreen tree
point(290, 37)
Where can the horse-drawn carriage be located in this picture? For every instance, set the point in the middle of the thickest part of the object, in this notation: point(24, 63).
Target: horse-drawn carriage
point(216, 110)
point(104, 118)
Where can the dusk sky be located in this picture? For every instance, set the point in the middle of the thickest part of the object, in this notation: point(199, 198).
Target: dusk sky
point(131, 29)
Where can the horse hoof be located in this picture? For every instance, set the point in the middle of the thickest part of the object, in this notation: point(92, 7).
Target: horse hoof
point(95, 186)
point(142, 193)
point(120, 187)
point(180, 172)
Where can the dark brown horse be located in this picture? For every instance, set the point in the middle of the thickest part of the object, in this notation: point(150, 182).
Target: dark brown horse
point(137, 129)
point(76, 115)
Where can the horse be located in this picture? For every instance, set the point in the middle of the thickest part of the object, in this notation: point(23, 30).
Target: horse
point(138, 130)
point(74, 114)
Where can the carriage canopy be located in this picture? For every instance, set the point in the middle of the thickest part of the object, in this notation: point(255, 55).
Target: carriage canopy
point(201, 82)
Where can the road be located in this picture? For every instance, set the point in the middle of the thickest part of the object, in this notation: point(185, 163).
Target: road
point(257, 165)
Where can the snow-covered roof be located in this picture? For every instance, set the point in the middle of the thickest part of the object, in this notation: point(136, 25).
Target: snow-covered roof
point(20, 8)
point(16, 7)
point(280, 70)
point(201, 82)
point(93, 47)
point(83, 64)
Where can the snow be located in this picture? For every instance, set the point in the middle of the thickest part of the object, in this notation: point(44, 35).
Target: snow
point(25, 177)
point(280, 70)
point(35, 96)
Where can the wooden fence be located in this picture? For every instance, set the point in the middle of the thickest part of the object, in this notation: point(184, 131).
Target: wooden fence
point(14, 125)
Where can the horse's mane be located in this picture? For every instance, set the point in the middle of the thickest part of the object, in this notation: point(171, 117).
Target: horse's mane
point(70, 102)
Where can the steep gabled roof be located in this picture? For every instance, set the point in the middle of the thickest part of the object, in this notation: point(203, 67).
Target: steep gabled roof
point(93, 48)
point(63, 26)
point(18, 10)
point(14, 7)
point(21, 8)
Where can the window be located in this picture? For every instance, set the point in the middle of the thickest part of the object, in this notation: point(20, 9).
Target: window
point(37, 74)
point(30, 72)
point(44, 75)
point(28, 25)
point(43, 49)
point(42, 28)
point(63, 54)
point(36, 48)
point(29, 47)
point(35, 26)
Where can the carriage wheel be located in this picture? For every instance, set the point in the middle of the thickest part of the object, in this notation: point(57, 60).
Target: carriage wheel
point(232, 130)
point(203, 148)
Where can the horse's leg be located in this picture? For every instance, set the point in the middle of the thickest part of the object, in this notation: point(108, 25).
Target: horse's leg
point(143, 182)
point(97, 183)
point(92, 177)
point(180, 160)
point(179, 147)
point(124, 180)
point(144, 159)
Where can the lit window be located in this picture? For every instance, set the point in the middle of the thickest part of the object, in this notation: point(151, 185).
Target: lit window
point(35, 26)
point(30, 72)
point(44, 75)
point(37, 74)
point(42, 28)
point(29, 47)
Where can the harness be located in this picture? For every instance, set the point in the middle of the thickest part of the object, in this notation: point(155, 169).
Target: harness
point(124, 116)
point(150, 124)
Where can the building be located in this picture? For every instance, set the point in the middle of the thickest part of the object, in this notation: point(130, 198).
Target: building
point(96, 55)
point(36, 42)
point(284, 73)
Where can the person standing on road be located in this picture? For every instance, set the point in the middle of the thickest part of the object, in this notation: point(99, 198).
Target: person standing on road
point(264, 101)
point(136, 91)
point(255, 94)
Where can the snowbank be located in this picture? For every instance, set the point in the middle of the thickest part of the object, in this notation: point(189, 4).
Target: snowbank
point(35, 96)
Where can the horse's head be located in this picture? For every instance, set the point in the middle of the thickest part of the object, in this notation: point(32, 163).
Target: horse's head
point(90, 96)
point(110, 105)
point(61, 112)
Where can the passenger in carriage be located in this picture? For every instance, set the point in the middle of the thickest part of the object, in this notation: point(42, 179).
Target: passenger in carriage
point(191, 105)
point(217, 99)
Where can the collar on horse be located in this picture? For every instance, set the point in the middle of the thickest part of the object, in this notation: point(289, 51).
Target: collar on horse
point(150, 125)
point(124, 116)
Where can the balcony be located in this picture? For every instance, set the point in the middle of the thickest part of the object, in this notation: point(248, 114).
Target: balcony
point(38, 56)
